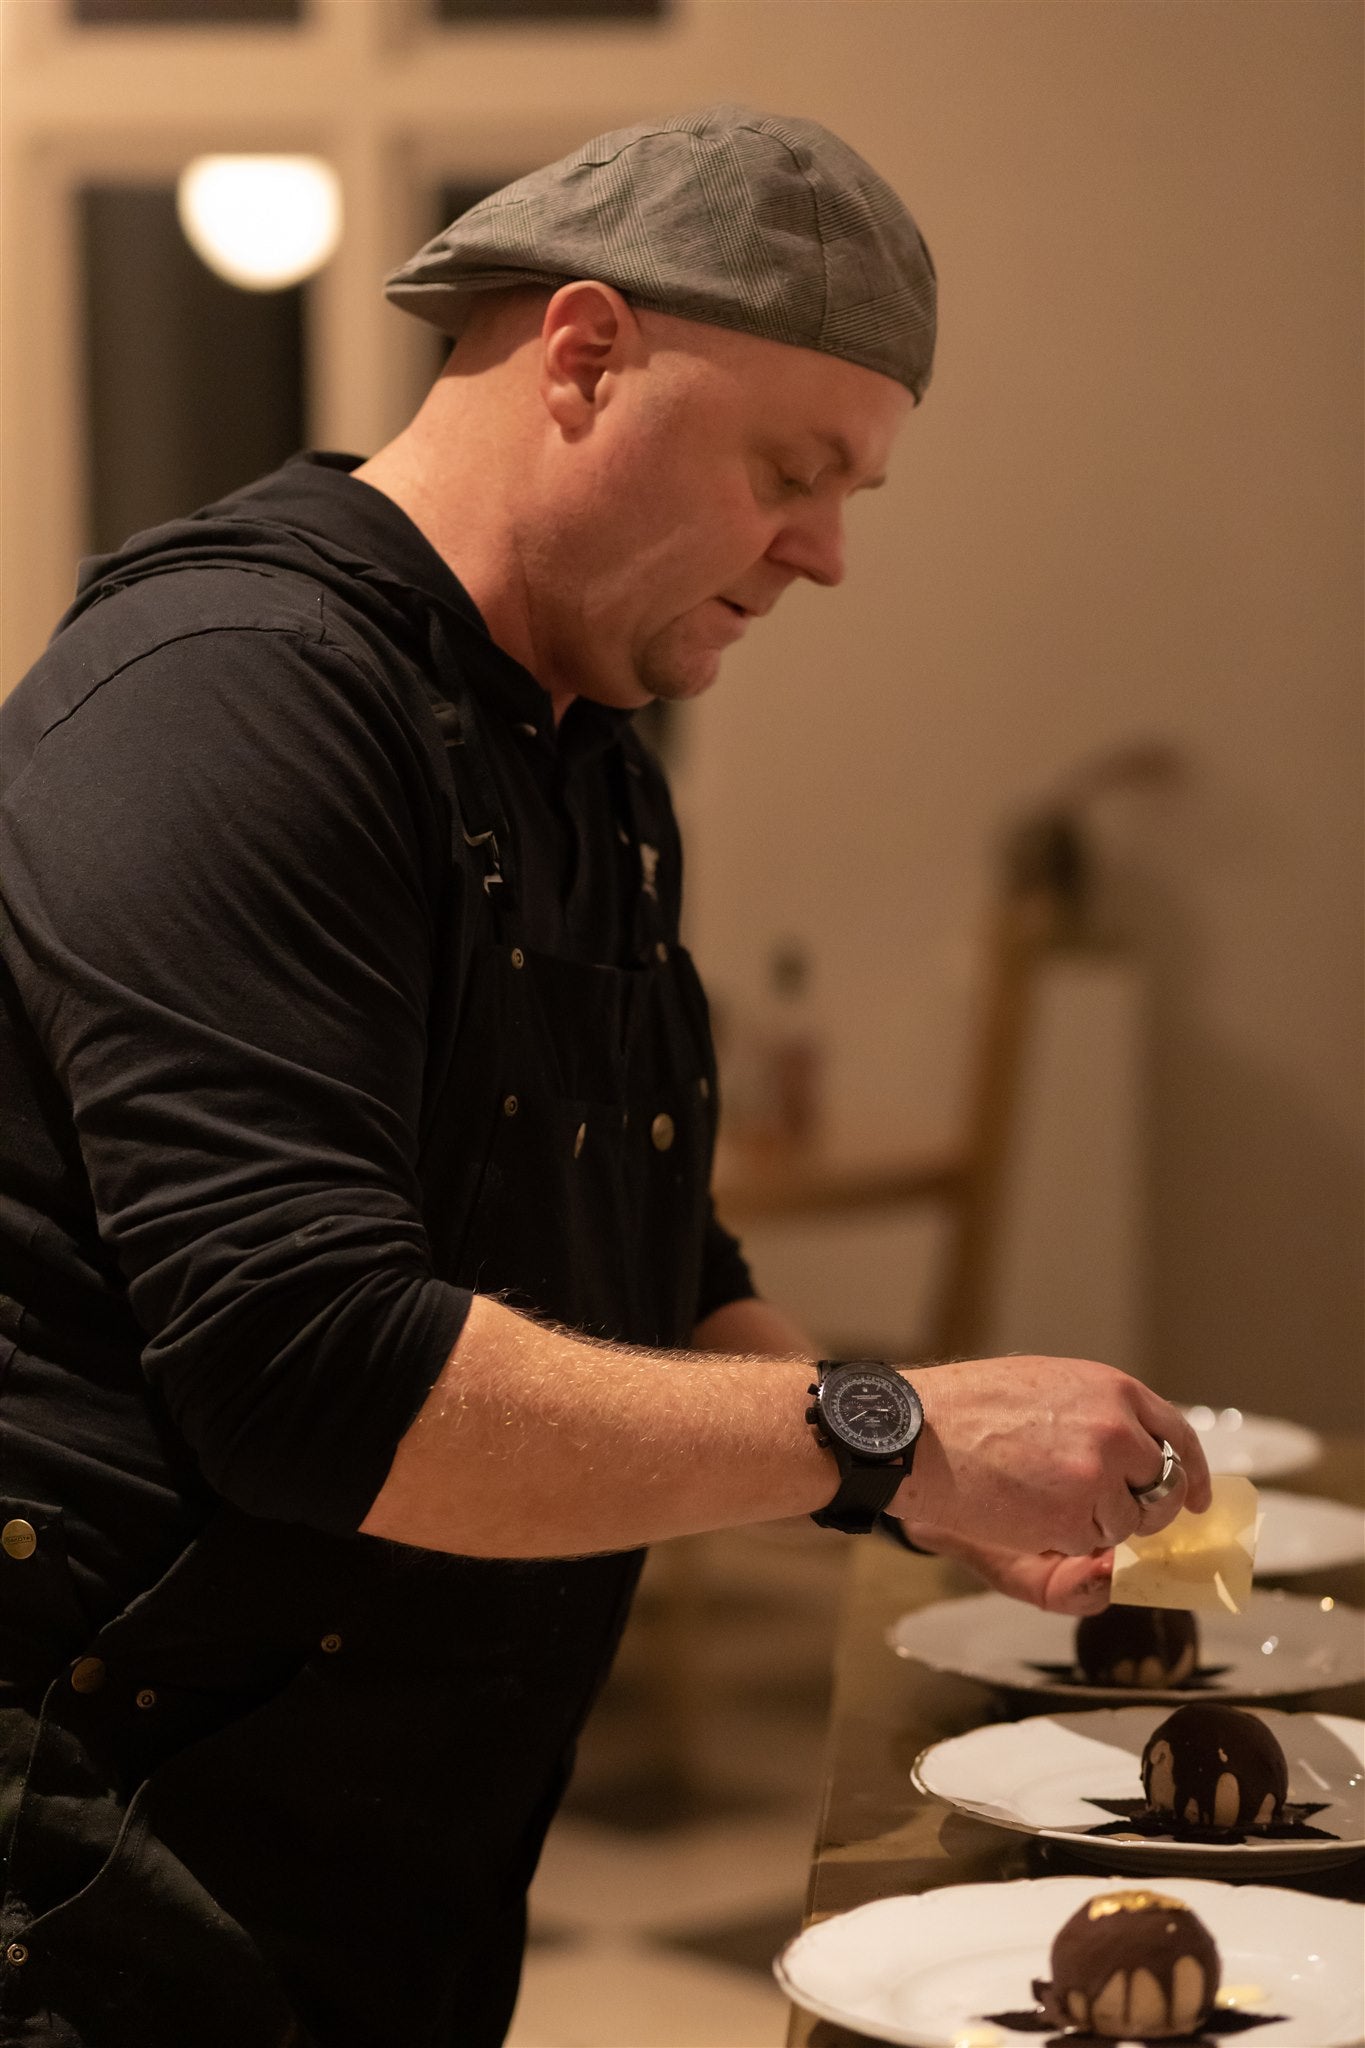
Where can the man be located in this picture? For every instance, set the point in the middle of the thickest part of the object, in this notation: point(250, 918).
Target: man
point(367, 1313)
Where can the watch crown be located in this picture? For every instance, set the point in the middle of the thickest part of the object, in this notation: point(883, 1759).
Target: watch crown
point(812, 1415)
point(812, 1388)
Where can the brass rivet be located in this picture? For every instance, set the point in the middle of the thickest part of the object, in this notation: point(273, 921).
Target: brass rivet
point(17, 1954)
point(518, 957)
point(661, 1131)
point(661, 951)
point(18, 1539)
point(705, 1086)
point(87, 1674)
point(146, 1698)
point(580, 1139)
point(510, 1105)
point(331, 1644)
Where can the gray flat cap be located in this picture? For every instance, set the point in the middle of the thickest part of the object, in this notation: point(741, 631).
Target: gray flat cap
point(751, 221)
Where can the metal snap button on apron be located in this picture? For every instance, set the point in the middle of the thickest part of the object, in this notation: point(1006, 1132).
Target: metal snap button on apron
point(661, 1131)
point(87, 1674)
point(510, 1105)
point(146, 1698)
point(18, 1539)
point(331, 1644)
point(661, 951)
point(580, 1139)
point(518, 957)
point(17, 1954)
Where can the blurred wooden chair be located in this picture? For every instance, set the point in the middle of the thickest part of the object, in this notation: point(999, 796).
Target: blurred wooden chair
point(1037, 910)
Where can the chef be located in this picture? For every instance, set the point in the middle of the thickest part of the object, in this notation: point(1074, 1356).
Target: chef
point(364, 1309)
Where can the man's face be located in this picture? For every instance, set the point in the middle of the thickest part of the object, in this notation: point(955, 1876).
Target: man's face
point(716, 474)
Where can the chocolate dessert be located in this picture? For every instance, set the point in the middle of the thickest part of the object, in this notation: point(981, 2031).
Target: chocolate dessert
point(1135, 1965)
point(1215, 1767)
point(1137, 1646)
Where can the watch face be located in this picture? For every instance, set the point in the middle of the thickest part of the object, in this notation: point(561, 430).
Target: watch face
point(876, 1413)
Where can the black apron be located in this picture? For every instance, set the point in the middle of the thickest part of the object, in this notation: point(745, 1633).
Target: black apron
point(295, 1791)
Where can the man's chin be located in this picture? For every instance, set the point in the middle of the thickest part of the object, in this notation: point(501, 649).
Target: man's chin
point(675, 684)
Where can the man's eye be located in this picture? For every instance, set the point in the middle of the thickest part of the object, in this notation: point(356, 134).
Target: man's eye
point(798, 486)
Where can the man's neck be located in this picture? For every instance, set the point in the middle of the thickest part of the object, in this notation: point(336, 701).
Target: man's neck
point(472, 540)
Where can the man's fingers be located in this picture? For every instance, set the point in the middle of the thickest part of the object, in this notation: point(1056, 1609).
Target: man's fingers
point(1121, 1512)
point(1076, 1585)
point(1165, 1421)
point(1157, 1515)
point(1049, 1579)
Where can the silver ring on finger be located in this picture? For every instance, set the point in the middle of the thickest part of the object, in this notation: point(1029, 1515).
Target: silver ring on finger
point(1165, 1482)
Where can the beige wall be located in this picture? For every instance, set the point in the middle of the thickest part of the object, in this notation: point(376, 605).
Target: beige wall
point(1131, 504)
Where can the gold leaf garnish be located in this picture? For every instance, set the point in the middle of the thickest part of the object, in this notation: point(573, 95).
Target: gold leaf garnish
point(1132, 1902)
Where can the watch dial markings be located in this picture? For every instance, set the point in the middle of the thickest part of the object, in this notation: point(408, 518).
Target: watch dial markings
point(873, 1413)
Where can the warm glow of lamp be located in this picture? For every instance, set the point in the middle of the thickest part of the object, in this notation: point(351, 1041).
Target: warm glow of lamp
point(261, 222)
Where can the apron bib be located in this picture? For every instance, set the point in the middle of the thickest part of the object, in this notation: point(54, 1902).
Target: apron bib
point(293, 1795)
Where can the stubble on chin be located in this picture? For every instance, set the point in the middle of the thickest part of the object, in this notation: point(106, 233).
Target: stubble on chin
point(678, 664)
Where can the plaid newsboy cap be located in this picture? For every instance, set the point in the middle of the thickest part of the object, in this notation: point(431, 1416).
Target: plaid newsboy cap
point(759, 222)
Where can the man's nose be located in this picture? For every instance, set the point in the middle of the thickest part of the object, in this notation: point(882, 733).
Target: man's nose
point(813, 547)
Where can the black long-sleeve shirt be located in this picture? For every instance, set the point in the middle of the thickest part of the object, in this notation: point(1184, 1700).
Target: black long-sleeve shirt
point(228, 905)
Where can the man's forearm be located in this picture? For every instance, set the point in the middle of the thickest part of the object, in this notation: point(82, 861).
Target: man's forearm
point(535, 1443)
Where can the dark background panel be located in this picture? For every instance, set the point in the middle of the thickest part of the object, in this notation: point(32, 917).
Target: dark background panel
point(548, 10)
point(183, 13)
point(193, 386)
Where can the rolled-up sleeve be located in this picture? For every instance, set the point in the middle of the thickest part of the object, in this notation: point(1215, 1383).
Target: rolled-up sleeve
point(725, 1275)
point(222, 872)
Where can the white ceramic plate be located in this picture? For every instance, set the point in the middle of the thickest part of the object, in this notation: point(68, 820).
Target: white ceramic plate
point(1300, 1533)
point(922, 1970)
point(1044, 1776)
point(1258, 1446)
point(1280, 1645)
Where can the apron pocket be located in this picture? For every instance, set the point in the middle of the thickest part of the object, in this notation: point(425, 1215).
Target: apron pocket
point(144, 1957)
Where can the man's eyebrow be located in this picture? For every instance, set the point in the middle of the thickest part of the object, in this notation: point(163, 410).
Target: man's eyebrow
point(847, 460)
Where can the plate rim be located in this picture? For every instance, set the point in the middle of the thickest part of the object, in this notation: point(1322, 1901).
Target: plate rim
point(1261, 1596)
point(1305, 1449)
point(981, 1889)
point(1165, 1853)
point(1330, 1561)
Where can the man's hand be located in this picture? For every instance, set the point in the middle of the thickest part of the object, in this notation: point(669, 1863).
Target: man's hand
point(1061, 1584)
point(1030, 1455)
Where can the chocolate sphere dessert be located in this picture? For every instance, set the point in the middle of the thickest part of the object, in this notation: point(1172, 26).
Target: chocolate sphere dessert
point(1140, 1646)
point(1215, 1767)
point(1133, 1965)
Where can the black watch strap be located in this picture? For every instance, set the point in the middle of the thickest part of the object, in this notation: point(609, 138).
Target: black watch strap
point(865, 1492)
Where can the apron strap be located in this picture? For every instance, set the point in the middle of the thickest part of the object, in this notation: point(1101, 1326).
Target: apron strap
point(483, 821)
point(648, 929)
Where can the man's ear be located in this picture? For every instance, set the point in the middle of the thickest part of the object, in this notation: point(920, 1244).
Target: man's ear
point(589, 331)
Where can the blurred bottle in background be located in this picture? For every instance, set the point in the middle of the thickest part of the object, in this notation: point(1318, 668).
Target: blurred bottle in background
point(773, 1062)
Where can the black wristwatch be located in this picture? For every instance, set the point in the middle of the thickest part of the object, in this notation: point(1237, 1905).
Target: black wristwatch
point(870, 1417)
